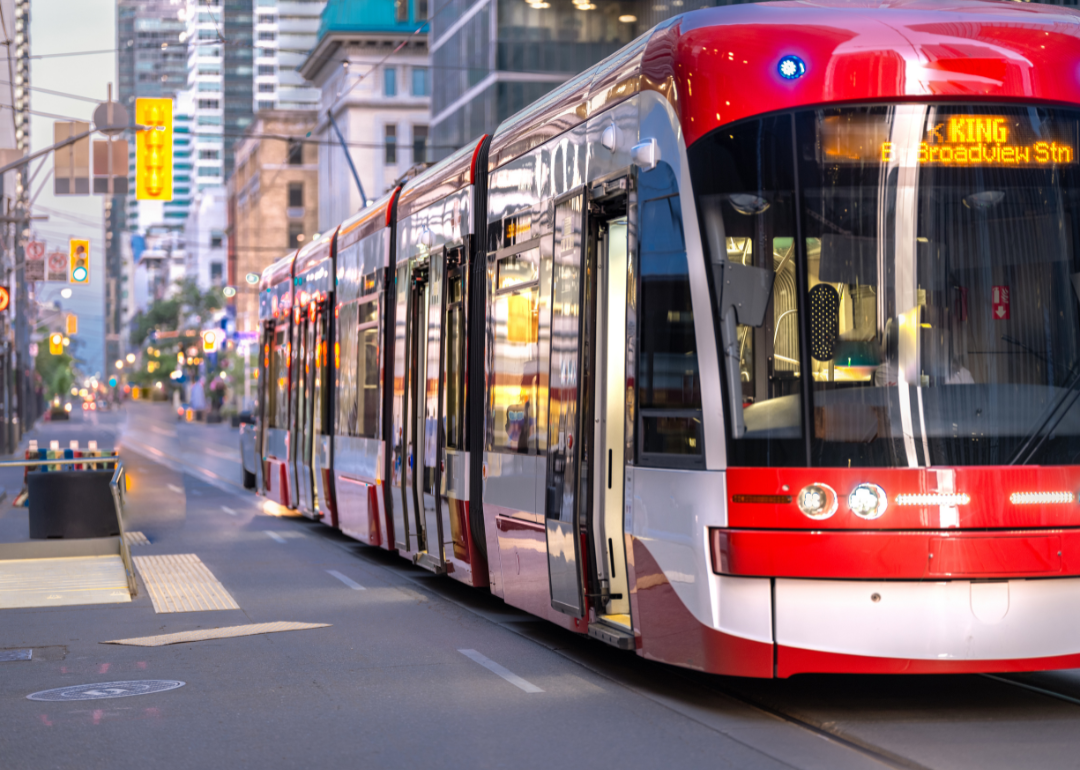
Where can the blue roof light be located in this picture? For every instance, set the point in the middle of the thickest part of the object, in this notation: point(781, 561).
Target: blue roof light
point(791, 68)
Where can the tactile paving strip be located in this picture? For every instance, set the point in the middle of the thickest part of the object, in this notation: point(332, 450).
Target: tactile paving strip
point(135, 538)
point(182, 583)
point(252, 629)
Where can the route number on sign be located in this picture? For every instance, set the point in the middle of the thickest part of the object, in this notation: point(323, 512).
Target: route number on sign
point(1001, 303)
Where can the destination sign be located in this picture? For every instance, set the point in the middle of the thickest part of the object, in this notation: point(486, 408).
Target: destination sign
point(979, 140)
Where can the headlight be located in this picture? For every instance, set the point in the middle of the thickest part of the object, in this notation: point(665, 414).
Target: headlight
point(868, 501)
point(818, 501)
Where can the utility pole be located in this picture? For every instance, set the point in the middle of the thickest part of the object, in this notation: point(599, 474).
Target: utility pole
point(19, 403)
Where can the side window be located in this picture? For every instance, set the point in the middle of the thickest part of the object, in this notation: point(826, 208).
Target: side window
point(746, 203)
point(668, 385)
point(516, 371)
point(279, 379)
point(356, 357)
point(367, 366)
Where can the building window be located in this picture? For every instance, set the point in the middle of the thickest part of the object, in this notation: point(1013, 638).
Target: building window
point(390, 81)
point(421, 9)
point(296, 234)
point(209, 71)
point(216, 271)
point(209, 171)
point(267, 69)
point(419, 144)
point(261, 105)
point(419, 81)
point(267, 53)
point(208, 34)
point(209, 104)
point(216, 239)
point(295, 153)
point(209, 154)
point(296, 195)
point(391, 145)
point(401, 10)
point(206, 85)
point(209, 120)
point(268, 35)
point(266, 19)
point(266, 88)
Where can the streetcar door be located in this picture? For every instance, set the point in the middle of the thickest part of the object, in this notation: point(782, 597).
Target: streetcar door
point(564, 505)
point(401, 479)
point(429, 376)
point(305, 413)
point(413, 406)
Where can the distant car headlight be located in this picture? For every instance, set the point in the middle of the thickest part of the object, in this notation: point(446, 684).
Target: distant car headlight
point(818, 501)
point(868, 501)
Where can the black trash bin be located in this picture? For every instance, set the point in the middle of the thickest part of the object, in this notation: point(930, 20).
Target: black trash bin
point(71, 504)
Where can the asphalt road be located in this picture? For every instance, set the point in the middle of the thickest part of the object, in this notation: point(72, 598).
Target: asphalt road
point(387, 684)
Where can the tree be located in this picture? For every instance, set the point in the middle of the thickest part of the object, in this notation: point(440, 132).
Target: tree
point(188, 308)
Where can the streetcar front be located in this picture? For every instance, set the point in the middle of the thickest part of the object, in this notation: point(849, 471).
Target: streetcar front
point(907, 406)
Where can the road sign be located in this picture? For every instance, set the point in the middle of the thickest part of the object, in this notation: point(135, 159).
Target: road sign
point(35, 250)
point(111, 167)
point(56, 267)
point(34, 270)
point(71, 170)
point(153, 150)
point(1001, 303)
point(111, 118)
point(80, 260)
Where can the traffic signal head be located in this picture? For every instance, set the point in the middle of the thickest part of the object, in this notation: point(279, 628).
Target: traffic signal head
point(79, 252)
point(209, 341)
point(72, 324)
point(56, 343)
point(153, 150)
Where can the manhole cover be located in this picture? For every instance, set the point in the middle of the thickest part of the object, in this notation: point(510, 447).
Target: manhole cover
point(106, 690)
point(15, 655)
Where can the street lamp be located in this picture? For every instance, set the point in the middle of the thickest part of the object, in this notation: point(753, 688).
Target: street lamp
point(130, 358)
point(119, 364)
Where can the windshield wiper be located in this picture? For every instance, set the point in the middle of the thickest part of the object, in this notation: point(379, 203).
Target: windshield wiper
point(1054, 415)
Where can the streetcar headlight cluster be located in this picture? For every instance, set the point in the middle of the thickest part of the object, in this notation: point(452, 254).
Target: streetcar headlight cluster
point(818, 501)
point(868, 501)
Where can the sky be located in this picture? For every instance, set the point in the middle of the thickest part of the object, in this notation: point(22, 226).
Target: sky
point(64, 26)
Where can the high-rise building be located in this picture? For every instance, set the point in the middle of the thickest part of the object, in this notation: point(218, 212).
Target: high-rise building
point(284, 33)
point(237, 75)
point(372, 68)
point(151, 61)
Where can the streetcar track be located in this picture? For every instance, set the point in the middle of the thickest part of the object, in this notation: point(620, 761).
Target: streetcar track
point(1034, 688)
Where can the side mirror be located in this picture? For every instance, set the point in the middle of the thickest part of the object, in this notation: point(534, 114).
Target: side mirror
point(744, 293)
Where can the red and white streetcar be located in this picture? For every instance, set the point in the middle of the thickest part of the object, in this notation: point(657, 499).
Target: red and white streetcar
point(755, 348)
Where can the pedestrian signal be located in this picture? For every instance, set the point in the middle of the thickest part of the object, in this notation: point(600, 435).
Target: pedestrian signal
point(80, 261)
point(72, 324)
point(56, 343)
point(209, 341)
point(153, 150)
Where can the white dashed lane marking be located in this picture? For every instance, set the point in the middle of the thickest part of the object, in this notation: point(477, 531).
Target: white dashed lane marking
point(228, 510)
point(346, 580)
point(274, 536)
point(495, 668)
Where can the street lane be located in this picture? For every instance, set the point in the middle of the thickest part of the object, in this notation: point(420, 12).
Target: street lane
point(418, 669)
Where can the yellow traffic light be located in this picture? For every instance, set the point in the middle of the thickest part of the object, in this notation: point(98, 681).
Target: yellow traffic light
point(79, 271)
point(72, 324)
point(56, 343)
point(153, 150)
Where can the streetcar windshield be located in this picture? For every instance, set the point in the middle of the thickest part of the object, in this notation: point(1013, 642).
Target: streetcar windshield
point(925, 301)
